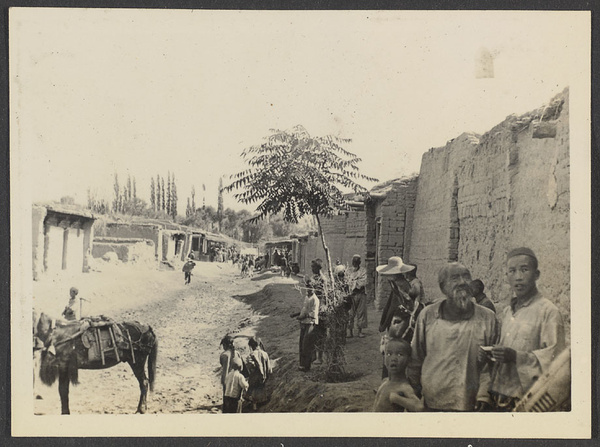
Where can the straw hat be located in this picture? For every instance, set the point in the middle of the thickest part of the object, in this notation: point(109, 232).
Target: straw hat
point(394, 266)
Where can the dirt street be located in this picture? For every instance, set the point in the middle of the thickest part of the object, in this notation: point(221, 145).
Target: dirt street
point(189, 322)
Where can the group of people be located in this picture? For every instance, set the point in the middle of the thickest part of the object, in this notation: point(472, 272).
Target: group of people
point(243, 378)
point(462, 356)
point(312, 316)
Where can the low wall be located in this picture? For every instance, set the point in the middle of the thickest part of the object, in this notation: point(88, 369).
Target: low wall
point(127, 250)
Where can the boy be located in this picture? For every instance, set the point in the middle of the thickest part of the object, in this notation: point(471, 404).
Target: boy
point(395, 393)
point(70, 312)
point(398, 325)
point(187, 269)
point(235, 385)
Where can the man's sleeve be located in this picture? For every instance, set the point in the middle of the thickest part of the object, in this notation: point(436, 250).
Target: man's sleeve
point(418, 353)
point(485, 379)
point(531, 365)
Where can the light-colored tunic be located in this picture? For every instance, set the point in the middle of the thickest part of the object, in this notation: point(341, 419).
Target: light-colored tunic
point(536, 332)
point(444, 358)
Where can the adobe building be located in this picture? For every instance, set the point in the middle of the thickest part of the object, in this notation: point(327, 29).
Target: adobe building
point(344, 235)
point(61, 240)
point(133, 231)
point(389, 219)
point(475, 199)
point(482, 196)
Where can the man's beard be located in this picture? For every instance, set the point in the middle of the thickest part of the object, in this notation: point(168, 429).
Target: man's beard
point(461, 296)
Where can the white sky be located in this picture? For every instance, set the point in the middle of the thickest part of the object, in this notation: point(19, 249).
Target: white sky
point(143, 92)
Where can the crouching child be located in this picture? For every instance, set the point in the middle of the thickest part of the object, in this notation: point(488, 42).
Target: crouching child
point(395, 392)
point(235, 385)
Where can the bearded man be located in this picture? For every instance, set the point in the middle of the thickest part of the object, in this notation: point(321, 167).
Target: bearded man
point(444, 361)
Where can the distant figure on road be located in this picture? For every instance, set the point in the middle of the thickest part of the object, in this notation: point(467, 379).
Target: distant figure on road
point(70, 312)
point(187, 269)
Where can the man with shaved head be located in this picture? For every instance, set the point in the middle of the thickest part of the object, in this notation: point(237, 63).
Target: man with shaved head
point(445, 362)
point(532, 333)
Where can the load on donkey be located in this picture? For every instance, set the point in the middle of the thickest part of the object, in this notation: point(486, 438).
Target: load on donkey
point(94, 343)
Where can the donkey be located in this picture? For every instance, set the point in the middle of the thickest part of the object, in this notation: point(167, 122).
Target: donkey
point(64, 353)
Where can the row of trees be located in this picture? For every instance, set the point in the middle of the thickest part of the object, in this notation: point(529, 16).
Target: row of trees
point(162, 200)
point(163, 204)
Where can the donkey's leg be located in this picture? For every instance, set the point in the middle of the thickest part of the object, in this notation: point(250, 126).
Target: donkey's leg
point(63, 389)
point(140, 374)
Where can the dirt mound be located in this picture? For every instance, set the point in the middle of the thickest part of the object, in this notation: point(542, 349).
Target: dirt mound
point(295, 391)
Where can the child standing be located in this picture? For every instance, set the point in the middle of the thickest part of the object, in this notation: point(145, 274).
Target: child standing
point(226, 359)
point(395, 392)
point(235, 385)
point(259, 369)
point(70, 312)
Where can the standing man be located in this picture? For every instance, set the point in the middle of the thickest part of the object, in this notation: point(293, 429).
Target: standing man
point(318, 283)
point(532, 333)
point(309, 319)
point(448, 333)
point(357, 281)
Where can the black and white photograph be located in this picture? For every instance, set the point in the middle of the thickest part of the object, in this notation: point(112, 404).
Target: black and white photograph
point(313, 219)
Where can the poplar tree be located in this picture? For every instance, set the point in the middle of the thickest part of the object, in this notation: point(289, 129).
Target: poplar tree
point(152, 194)
point(168, 206)
point(158, 195)
point(162, 193)
point(173, 198)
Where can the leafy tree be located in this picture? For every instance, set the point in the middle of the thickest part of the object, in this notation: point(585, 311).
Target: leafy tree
point(296, 174)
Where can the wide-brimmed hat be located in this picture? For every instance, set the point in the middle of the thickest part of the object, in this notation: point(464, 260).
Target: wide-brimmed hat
point(394, 267)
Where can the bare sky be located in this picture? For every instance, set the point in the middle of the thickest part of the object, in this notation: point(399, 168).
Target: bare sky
point(143, 92)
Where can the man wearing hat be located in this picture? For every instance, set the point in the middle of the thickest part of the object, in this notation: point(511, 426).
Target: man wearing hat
point(532, 333)
point(394, 271)
point(445, 361)
point(357, 281)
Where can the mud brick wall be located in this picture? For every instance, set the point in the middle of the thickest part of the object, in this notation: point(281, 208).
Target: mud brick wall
point(344, 236)
point(395, 214)
point(515, 192)
point(480, 196)
point(435, 232)
point(152, 232)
